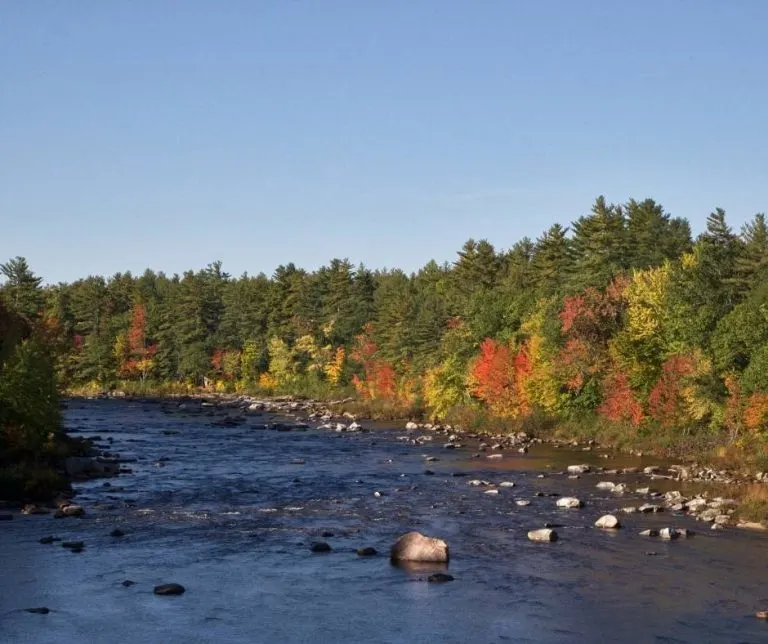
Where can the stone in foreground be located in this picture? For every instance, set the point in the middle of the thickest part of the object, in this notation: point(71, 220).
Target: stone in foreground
point(169, 589)
point(543, 534)
point(608, 522)
point(414, 546)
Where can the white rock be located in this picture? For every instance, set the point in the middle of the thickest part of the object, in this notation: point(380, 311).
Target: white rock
point(569, 502)
point(543, 534)
point(492, 491)
point(606, 485)
point(608, 522)
point(414, 546)
point(578, 469)
point(506, 484)
point(411, 425)
point(522, 502)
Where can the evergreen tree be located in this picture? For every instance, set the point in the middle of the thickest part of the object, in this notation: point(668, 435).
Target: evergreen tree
point(21, 288)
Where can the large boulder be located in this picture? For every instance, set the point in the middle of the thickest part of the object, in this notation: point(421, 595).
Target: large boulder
point(608, 522)
point(414, 546)
point(543, 534)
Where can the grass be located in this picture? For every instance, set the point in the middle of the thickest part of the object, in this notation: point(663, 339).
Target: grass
point(753, 502)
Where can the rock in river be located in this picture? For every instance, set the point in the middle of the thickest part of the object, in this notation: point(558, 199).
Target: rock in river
point(578, 469)
point(169, 589)
point(608, 522)
point(320, 546)
point(42, 610)
point(366, 552)
point(569, 502)
point(439, 578)
point(414, 546)
point(543, 534)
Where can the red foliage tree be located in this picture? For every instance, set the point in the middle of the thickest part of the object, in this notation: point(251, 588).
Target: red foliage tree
point(619, 402)
point(665, 403)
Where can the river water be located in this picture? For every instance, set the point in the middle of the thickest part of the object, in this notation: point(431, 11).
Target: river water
point(230, 515)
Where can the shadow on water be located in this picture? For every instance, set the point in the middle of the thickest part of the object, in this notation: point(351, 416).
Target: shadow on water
point(230, 513)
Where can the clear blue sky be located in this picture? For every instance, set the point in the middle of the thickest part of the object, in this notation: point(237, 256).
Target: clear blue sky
point(169, 134)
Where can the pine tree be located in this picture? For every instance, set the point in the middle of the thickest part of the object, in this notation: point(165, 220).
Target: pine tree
point(599, 246)
point(552, 260)
point(21, 288)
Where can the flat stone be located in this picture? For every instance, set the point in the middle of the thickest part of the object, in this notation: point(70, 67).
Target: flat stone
point(569, 502)
point(439, 578)
point(169, 589)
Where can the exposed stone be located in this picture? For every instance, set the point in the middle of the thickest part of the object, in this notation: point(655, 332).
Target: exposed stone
point(606, 485)
point(569, 502)
point(411, 425)
point(169, 589)
point(578, 469)
point(492, 491)
point(414, 546)
point(608, 522)
point(522, 502)
point(649, 533)
point(650, 507)
point(506, 484)
point(543, 535)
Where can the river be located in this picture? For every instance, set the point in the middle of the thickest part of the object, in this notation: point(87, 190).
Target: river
point(230, 512)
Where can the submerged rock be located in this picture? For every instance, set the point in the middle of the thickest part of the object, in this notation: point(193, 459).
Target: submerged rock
point(366, 552)
point(117, 532)
point(414, 546)
point(320, 546)
point(439, 578)
point(169, 589)
point(543, 535)
point(42, 610)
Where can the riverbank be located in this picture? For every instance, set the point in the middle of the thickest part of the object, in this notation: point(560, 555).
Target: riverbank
point(747, 487)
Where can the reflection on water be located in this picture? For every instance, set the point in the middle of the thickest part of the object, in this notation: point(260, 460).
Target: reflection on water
point(231, 513)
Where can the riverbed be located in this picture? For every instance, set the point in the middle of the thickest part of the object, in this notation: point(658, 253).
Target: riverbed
point(230, 513)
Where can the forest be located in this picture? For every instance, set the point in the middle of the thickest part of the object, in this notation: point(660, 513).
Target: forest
point(621, 325)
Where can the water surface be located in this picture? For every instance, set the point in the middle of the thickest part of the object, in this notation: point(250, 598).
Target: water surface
point(230, 516)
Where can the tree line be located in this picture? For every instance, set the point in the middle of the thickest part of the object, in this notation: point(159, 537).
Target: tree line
point(623, 316)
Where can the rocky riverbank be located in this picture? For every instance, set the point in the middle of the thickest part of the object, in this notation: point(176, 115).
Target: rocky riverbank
point(712, 504)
